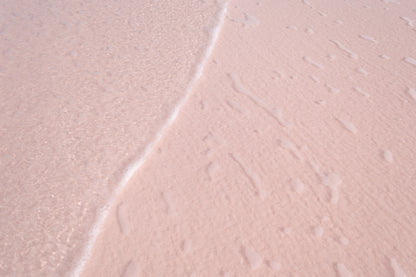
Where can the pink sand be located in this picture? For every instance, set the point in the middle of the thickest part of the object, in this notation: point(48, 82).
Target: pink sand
point(294, 155)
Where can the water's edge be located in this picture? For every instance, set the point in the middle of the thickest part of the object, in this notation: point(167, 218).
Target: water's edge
point(134, 166)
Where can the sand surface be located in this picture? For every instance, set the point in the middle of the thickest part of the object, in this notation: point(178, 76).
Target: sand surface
point(294, 154)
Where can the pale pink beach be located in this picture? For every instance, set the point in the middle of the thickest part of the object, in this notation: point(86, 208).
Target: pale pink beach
point(208, 138)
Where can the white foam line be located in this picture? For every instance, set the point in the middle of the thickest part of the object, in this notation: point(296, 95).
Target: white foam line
point(132, 168)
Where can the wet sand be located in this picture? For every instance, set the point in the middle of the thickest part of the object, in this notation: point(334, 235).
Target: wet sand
point(294, 157)
point(294, 154)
